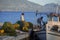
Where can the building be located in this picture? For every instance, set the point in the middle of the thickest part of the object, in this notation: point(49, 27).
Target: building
point(22, 17)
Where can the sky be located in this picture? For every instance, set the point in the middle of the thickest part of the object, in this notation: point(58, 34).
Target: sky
point(43, 2)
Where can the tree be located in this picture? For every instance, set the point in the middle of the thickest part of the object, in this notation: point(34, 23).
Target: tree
point(2, 31)
point(26, 26)
point(30, 24)
point(21, 23)
point(8, 27)
point(16, 26)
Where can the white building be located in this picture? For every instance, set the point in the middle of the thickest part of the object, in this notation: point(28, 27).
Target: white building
point(22, 17)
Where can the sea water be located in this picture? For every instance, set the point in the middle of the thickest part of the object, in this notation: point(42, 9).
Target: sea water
point(13, 16)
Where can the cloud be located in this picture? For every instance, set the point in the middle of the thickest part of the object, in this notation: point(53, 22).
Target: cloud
point(44, 2)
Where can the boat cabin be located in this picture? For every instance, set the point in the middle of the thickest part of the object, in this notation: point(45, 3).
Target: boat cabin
point(53, 19)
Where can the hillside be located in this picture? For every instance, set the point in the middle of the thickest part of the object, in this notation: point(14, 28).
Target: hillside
point(25, 5)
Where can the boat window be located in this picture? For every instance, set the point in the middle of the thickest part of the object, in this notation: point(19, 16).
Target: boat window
point(55, 18)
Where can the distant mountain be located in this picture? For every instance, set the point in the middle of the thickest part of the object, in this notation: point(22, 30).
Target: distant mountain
point(51, 7)
point(18, 5)
point(25, 5)
point(51, 4)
